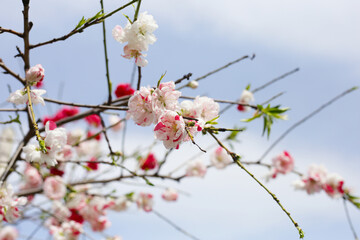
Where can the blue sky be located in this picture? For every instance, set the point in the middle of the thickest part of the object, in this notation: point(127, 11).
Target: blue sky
point(321, 38)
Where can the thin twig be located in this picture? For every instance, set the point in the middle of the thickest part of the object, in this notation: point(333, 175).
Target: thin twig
point(106, 57)
point(349, 220)
point(186, 76)
point(275, 80)
point(221, 68)
point(105, 134)
point(174, 225)
point(105, 107)
point(236, 158)
point(2, 30)
point(81, 29)
point(139, 78)
point(8, 71)
point(307, 117)
point(12, 109)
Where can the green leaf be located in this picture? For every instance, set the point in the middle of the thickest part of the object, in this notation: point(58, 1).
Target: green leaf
point(162, 76)
point(127, 17)
point(130, 195)
point(84, 21)
point(248, 87)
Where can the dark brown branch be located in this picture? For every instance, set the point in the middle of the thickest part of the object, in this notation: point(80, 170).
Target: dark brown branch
point(81, 29)
point(105, 134)
point(187, 77)
point(104, 107)
point(2, 30)
point(139, 78)
point(13, 110)
point(8, 71)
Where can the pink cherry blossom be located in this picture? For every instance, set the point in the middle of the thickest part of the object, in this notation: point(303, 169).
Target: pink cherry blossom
point(220, 158)
point(334, 185)
point(314, 181)
point(208, 109)
point(21, 97)
point(149, 162)
point(246, 98)
point(54, 188)
point(140, 107)
point(116, 120)
point(8, 233)
point(121, 204)
point(32, 177)
point(165, 97)
point(9, 204)
point(170, 129)
point(170, 194)
point(129, 53)
point(283, 163)
point(196, 169)
point(35, 74)
point(145, 201)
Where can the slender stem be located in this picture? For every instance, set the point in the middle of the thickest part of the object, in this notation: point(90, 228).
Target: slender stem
point(307, 117)
point(349, 220)
point(174, 225)
point(106, 56)
point(105, 134)
point(275, 80)
point(236, 158)
point(139, 78)
point(219, 69)
point(85, 105)
point(137, 10)
point(34, 124)
point(13, 110)
point(81, 29)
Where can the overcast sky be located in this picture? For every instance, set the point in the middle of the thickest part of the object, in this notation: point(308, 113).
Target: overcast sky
point(320, 37)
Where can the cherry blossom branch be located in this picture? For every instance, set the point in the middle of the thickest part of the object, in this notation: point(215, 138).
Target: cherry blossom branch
point(81, 29)
point(104, 130)
point(104, 107)
point(307, 117)
point(236, 159)
point(187, 77)
point(109, 83)
point(174, 225)
point(349, 219)
point(13, 110)
point(275, 80)
point(8, 71)
point(137, 10)
point(225, 101)
point(26, 35)
point(34, 123)
point(3, 30)
point(139, 78)
point(221, 68)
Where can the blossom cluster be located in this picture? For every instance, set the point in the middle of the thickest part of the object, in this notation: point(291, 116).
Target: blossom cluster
point(318, 179)
point(9, 203)
point(174, 122)
point(34, 75)
point(55, 141)
point(138, 36)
